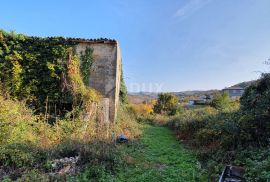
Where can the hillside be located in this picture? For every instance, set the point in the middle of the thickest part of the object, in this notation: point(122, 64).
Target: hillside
point(145, 96)
point(195, 92)
point(245, 84)
point(140, 97)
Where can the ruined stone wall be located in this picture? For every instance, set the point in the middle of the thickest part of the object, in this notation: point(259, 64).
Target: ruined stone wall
point(105, 72)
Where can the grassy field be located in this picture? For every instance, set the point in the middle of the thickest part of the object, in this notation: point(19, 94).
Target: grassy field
point(157, 156)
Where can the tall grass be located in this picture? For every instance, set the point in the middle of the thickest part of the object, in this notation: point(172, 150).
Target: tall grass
point(28, 143)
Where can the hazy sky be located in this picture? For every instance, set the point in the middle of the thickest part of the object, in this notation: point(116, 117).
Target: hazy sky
point(168, 45)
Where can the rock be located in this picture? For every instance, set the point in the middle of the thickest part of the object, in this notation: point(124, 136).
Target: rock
point(64, 170)
point(64, 166)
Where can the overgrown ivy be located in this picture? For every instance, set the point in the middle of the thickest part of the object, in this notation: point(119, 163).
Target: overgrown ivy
point(123, 95)
point(83, 95)
point(86, 64)
point(35, 69)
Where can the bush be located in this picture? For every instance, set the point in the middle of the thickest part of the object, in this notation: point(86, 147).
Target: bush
point(221, 101)
point(28, 143)
point(126, 123)
point(231, 135)
point(19, 155)
point(166, 104)
point(154, 119)
point(190, 121)
point(33, 175)
point(258, 164)
point(142, 109)
point(207, 136)
point(255, 108)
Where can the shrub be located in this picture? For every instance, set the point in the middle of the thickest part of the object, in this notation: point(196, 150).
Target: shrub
point(33, 175)
point(154, 119)
point(142, 109)
point(255, 108)
point(258, 164)
point(126, 123)
point(20, 155)
point(166, 104)
point(221, 101)
point(190, 121)
point(16, 122)
point(28, 142)
point(231, 135)
point(123, 94)
point(207, 136)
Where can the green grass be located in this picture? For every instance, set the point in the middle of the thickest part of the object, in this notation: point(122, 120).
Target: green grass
point(157, 156)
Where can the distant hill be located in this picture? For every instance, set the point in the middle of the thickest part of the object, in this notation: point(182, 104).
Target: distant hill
point(139, 97)
point(195, 92)
point(147, 94)
point(245, 84)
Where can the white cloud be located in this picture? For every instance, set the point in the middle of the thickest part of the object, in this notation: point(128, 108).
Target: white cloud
point(191, 7)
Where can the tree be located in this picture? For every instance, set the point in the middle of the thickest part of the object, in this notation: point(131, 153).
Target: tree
point(166, 104)
point(221, 101)
point(255, 107)
point(123, 94)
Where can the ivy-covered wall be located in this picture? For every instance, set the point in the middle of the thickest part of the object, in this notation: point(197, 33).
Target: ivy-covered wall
point(35, 69)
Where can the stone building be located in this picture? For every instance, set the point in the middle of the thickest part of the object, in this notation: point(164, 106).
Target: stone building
point(105, 72)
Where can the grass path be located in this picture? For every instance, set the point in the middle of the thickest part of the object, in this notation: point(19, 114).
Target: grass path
point(157, 156)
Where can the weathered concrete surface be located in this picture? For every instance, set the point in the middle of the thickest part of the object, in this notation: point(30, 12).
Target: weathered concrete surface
point(104, 111)
point(105, 72)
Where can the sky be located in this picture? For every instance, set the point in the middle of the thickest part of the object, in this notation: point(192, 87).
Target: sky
point(167, 45)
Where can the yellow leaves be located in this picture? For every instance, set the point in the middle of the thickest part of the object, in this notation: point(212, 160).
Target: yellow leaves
point(92, 95)
point(142, 108)
point(16, 76)
point(1, 37)
point(16, 70)
point(16, 122)
point(51, 67)
point(77, 85)
point(14, 57)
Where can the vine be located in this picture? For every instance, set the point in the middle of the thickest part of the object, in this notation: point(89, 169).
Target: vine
point(86, 64)
point(35, 69)
point(123, 94)
point(83, 95)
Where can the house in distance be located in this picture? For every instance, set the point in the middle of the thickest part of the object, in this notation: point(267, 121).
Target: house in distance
point(234, 92)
